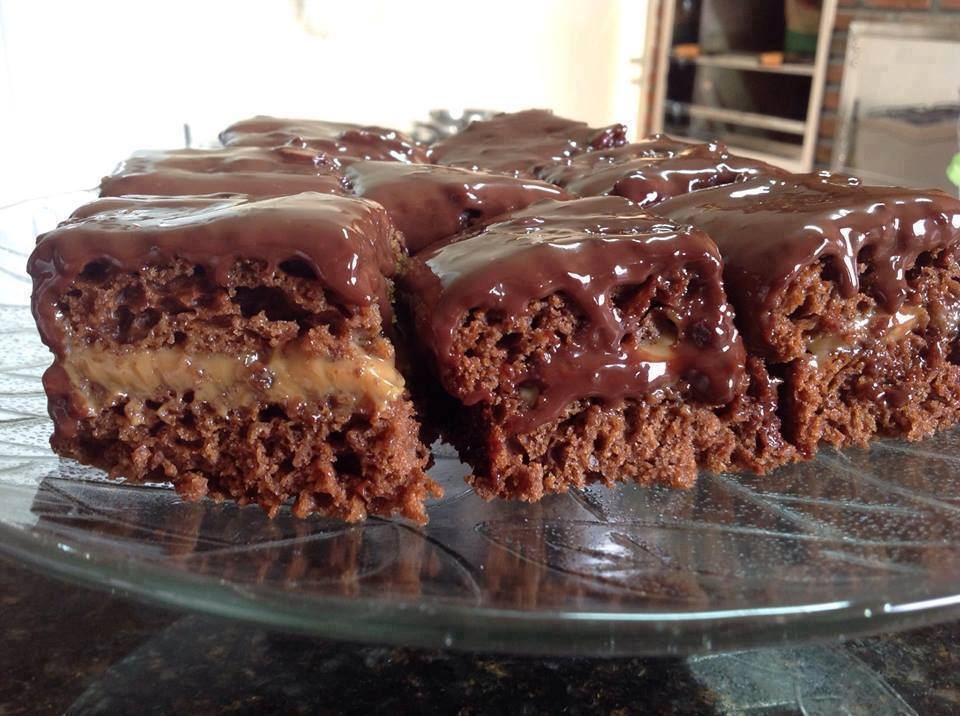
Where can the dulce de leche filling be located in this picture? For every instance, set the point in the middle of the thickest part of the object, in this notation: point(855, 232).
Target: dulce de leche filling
point(103, 378)
point(889, 327)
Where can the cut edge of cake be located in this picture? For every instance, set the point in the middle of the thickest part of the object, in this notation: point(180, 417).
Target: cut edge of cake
point(191, 347)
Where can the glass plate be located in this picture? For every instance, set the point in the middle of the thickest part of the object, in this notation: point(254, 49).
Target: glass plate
point(855, 542)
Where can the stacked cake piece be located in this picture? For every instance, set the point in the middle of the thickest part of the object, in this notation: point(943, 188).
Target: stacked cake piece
point(568, 308)
point(584, 341)
point(236, 347)
point(851, 296)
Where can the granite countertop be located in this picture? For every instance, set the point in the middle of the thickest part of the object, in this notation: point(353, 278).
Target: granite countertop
point(69, 649)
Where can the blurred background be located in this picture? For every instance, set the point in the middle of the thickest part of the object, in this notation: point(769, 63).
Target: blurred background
point(82, 84)
point(870, 86)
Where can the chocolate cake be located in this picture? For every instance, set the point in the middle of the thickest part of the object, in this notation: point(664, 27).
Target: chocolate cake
point(338, 141)
point(583, 341)
point(254, 171)
point(242, 344)
point(851, 296)
point(656, 146)
point(429, 202)
point(523, 143)
point(650, 171)
point(236, 348)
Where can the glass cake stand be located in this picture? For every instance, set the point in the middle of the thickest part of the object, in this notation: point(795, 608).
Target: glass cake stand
point(855, 542)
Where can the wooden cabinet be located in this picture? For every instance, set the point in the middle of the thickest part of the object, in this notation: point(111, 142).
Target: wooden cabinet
point(724, 70)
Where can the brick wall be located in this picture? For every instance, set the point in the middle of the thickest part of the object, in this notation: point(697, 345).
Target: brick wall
point(847, 12)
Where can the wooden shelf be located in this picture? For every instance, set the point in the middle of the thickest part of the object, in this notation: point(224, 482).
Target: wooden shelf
point(744, 144)
point(739, 107)
point(782, 154)
point(749, 62)
point(736, 116)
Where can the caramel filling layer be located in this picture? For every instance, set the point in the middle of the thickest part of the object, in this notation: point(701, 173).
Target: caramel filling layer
point(224, 381)
point(661, 349)
point(895, 328)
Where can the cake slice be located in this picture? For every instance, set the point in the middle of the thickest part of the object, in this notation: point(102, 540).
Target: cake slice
point(236, 348)
point(338, 141)
point(253, 171)
point(583, 341)
point(655, 146)
point(523, 143)
point(851, 296)
point(429, 203)
point(651, 171)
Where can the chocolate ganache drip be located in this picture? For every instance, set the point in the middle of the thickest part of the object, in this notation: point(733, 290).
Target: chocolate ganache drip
point(586, 249)
point(768, 230)
point(655, 146)
point(648, 177)
point(340, 142)
point(347, 243)
point(254, 171)
point(523, 143)
point(429, 202)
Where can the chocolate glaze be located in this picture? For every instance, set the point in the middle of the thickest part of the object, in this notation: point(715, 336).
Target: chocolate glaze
point(253, 171)
point(429, 202)
point(658, 170)
point(346, 242)
point(583, 248)
point(338, 141)
point(768, 230)
point(658, 145)
point(523, 143)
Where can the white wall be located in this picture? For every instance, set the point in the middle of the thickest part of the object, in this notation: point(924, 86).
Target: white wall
point(84, 83)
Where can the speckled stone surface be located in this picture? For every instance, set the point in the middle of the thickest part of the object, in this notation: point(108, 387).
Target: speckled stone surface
point(68, 649)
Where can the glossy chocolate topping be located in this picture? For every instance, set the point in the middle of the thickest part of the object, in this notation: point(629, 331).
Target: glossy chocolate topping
point(768, 230)
point(338, 141)
point(585, 249)
point(649, 178)
point(429, 202)
point(253, 171)
point(523, 143)
point(653, 145)
point(347, 243)
point(659, 146)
